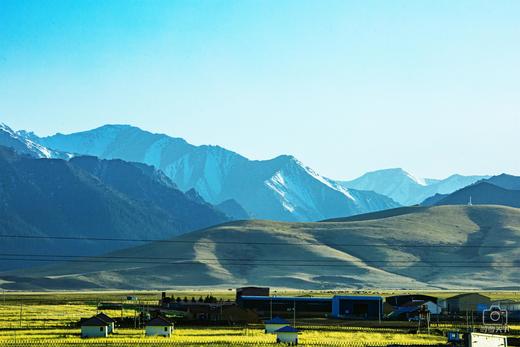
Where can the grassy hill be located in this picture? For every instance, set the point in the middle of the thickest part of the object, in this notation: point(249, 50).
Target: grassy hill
point(435, 247)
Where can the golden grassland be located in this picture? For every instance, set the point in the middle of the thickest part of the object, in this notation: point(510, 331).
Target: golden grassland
point(48, 324)
point(50, 319)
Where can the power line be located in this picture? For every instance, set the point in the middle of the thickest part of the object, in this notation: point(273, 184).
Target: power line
point(307, 243)
point(110, 257)
point(249, 263)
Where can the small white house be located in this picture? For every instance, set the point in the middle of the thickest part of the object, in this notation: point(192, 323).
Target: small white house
point(288, 335)
point(110, 321)
point(94, 327)
point(274, 324)
point(159, 327)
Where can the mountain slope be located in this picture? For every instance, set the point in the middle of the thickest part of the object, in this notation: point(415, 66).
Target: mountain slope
point(505, 181)
point(281, 188)
point(415, 247)
point(405, 188)
point(87, 197)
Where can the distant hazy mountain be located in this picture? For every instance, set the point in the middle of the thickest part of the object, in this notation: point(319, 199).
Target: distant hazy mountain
point(281, 188)
point(405, 188)
point(88, 197)
point(371, 251)
point(23, 145)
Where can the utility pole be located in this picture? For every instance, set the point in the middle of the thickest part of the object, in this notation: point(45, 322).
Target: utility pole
point(294, 314)
point(379, 309)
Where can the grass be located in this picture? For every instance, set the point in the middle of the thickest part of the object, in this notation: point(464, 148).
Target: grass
point(47, 324)
point(210, 336)
point(49, 319)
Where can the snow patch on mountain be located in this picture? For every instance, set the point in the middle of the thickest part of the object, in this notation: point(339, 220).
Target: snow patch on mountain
point(23, 145)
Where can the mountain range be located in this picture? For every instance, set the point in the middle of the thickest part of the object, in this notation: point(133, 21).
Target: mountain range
point(405, 188)
point(280, 189)
point(67, 200)
point(412, 247)
point(93, 198)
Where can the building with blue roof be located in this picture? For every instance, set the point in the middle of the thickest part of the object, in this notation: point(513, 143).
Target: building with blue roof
point(272, 325)
point(288, 335)
point(287, 329)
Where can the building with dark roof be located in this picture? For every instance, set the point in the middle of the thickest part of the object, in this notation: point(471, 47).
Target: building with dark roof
point(469, 302)
point(111, 322)
point(357, 307)
point(94, 327)
point(159, 326)
point(251, 291)
point(268, 306)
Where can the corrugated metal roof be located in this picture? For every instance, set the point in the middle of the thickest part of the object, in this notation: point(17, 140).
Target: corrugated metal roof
point(355, 297)
point(285, 298)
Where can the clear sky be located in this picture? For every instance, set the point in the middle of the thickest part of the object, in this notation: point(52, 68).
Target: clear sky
point(345, 86)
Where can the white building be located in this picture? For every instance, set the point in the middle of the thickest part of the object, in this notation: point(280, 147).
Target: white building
point(274, 324)
point(287, 335)
point(94, 327)
point(159, 327)
point(110, 321)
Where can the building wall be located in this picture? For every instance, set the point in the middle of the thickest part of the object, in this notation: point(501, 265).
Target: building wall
point(308, 307)
point(467, 303)
point(89, 331)
point(158, 331)
point(357, 308)
point(287, 337)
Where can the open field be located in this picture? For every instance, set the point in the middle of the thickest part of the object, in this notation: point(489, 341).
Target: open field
point(50, 319)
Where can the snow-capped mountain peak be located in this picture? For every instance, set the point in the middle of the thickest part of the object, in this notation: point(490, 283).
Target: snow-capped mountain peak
point(281, 188)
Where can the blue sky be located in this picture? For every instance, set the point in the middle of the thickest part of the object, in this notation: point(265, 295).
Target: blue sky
point(345, 86)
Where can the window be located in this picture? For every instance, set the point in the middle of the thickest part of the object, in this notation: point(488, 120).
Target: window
point(100, 328)
point(165, 329)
